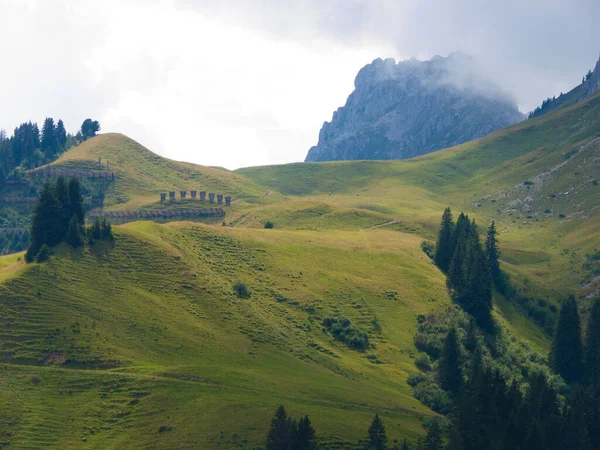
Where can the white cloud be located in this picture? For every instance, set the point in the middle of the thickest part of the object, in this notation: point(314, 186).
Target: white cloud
point(245, 82)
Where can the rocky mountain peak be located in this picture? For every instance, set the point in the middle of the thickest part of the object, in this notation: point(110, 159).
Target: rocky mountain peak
point(403, 109)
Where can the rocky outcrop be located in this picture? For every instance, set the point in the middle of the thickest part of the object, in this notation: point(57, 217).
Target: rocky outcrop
point(402, 110)
point(591, 86)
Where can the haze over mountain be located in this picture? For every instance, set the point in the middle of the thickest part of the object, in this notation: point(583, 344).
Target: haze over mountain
point(402, 110)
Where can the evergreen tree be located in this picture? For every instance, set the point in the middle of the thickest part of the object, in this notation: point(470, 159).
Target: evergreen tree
point(46, 223)
point(61, 135)
point(566, 353)
point(106, 230)
point(450, 366)
point(76, 200)
point(492, 252)
point(592, 346)
point(377, 436)
point(74, 237)
point(282, 432)
point(435, 435)
point(306, 435)
point(62, 195)
point(49, 142)
point(444, 248)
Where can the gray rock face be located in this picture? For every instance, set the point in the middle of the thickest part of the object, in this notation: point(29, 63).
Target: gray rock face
point(402, 110)
point(591, 86)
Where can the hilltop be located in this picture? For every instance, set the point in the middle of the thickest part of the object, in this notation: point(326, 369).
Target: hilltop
point(405, 109)
point(103, 347)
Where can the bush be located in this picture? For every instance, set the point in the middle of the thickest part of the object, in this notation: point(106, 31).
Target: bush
point(269, 224)
point(423, 362)
point(43, 254)
point(345, 331)
point(242, 290)
point(428, 248)
point(432, 395)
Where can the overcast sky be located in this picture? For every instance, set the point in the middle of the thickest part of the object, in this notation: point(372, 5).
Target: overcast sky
point(236, 83)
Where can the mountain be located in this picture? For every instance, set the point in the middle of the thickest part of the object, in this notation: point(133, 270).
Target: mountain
point(589, 86)
point(145, 345)
point(402, 110)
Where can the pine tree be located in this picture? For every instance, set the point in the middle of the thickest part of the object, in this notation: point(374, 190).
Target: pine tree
point(450, 367)
point(492, 252)
point(61, 135)
point(280, 435)
point(76, 200)
point(405, 445)
point(49, 142)
point(62, 195)
point(306, 435)
point(46, 223)
point(592, 346)
point(566, 353)
point(434, 439)
point(377, 436)
point(444, 247)
point(74, 237)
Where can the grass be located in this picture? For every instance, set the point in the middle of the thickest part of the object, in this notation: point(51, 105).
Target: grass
point(93, 324)
point(102, 348)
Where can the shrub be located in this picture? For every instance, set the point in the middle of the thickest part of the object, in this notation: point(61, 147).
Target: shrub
point(423, 362)
point(430, 394)
point(428, 248)
point(345, 331)
point(43, 254)
point(242, 290)
point(269, 224)
point(164, 428)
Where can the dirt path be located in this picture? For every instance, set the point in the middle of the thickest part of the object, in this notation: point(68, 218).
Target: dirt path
point(381, 225)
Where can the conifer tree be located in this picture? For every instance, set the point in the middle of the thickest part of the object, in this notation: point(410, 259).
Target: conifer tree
point(61, 135)
point(377, 436)
point(46, 223)
point(567, 353)
point(306, 435)
point(281, 433)
point(492, 252)
point(74, 237)
point(62, 195)
point(450, 368)
point(49, 142)
point(444, 247)
point(435, 434)
point(76, 200)
point(592, 346)
point(405, 445)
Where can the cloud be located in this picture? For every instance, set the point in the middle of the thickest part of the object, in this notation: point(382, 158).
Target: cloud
point(245, 82)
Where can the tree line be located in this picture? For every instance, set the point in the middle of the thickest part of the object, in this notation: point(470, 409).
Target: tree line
point(58, 216)
point(471, 269)
point(285, 433)
point(30, 146)
point(492, 405)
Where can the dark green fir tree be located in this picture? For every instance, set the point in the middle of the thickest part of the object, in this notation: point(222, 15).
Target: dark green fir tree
point(566, 355)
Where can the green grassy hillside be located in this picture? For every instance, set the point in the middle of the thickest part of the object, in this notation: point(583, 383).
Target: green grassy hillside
point(126, 350)
point(143, 175)
point(102, 348)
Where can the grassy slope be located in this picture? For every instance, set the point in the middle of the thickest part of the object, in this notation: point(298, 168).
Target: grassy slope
point(175, 338)
point(143, 175)
point(558, 155)
point(119, 342)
